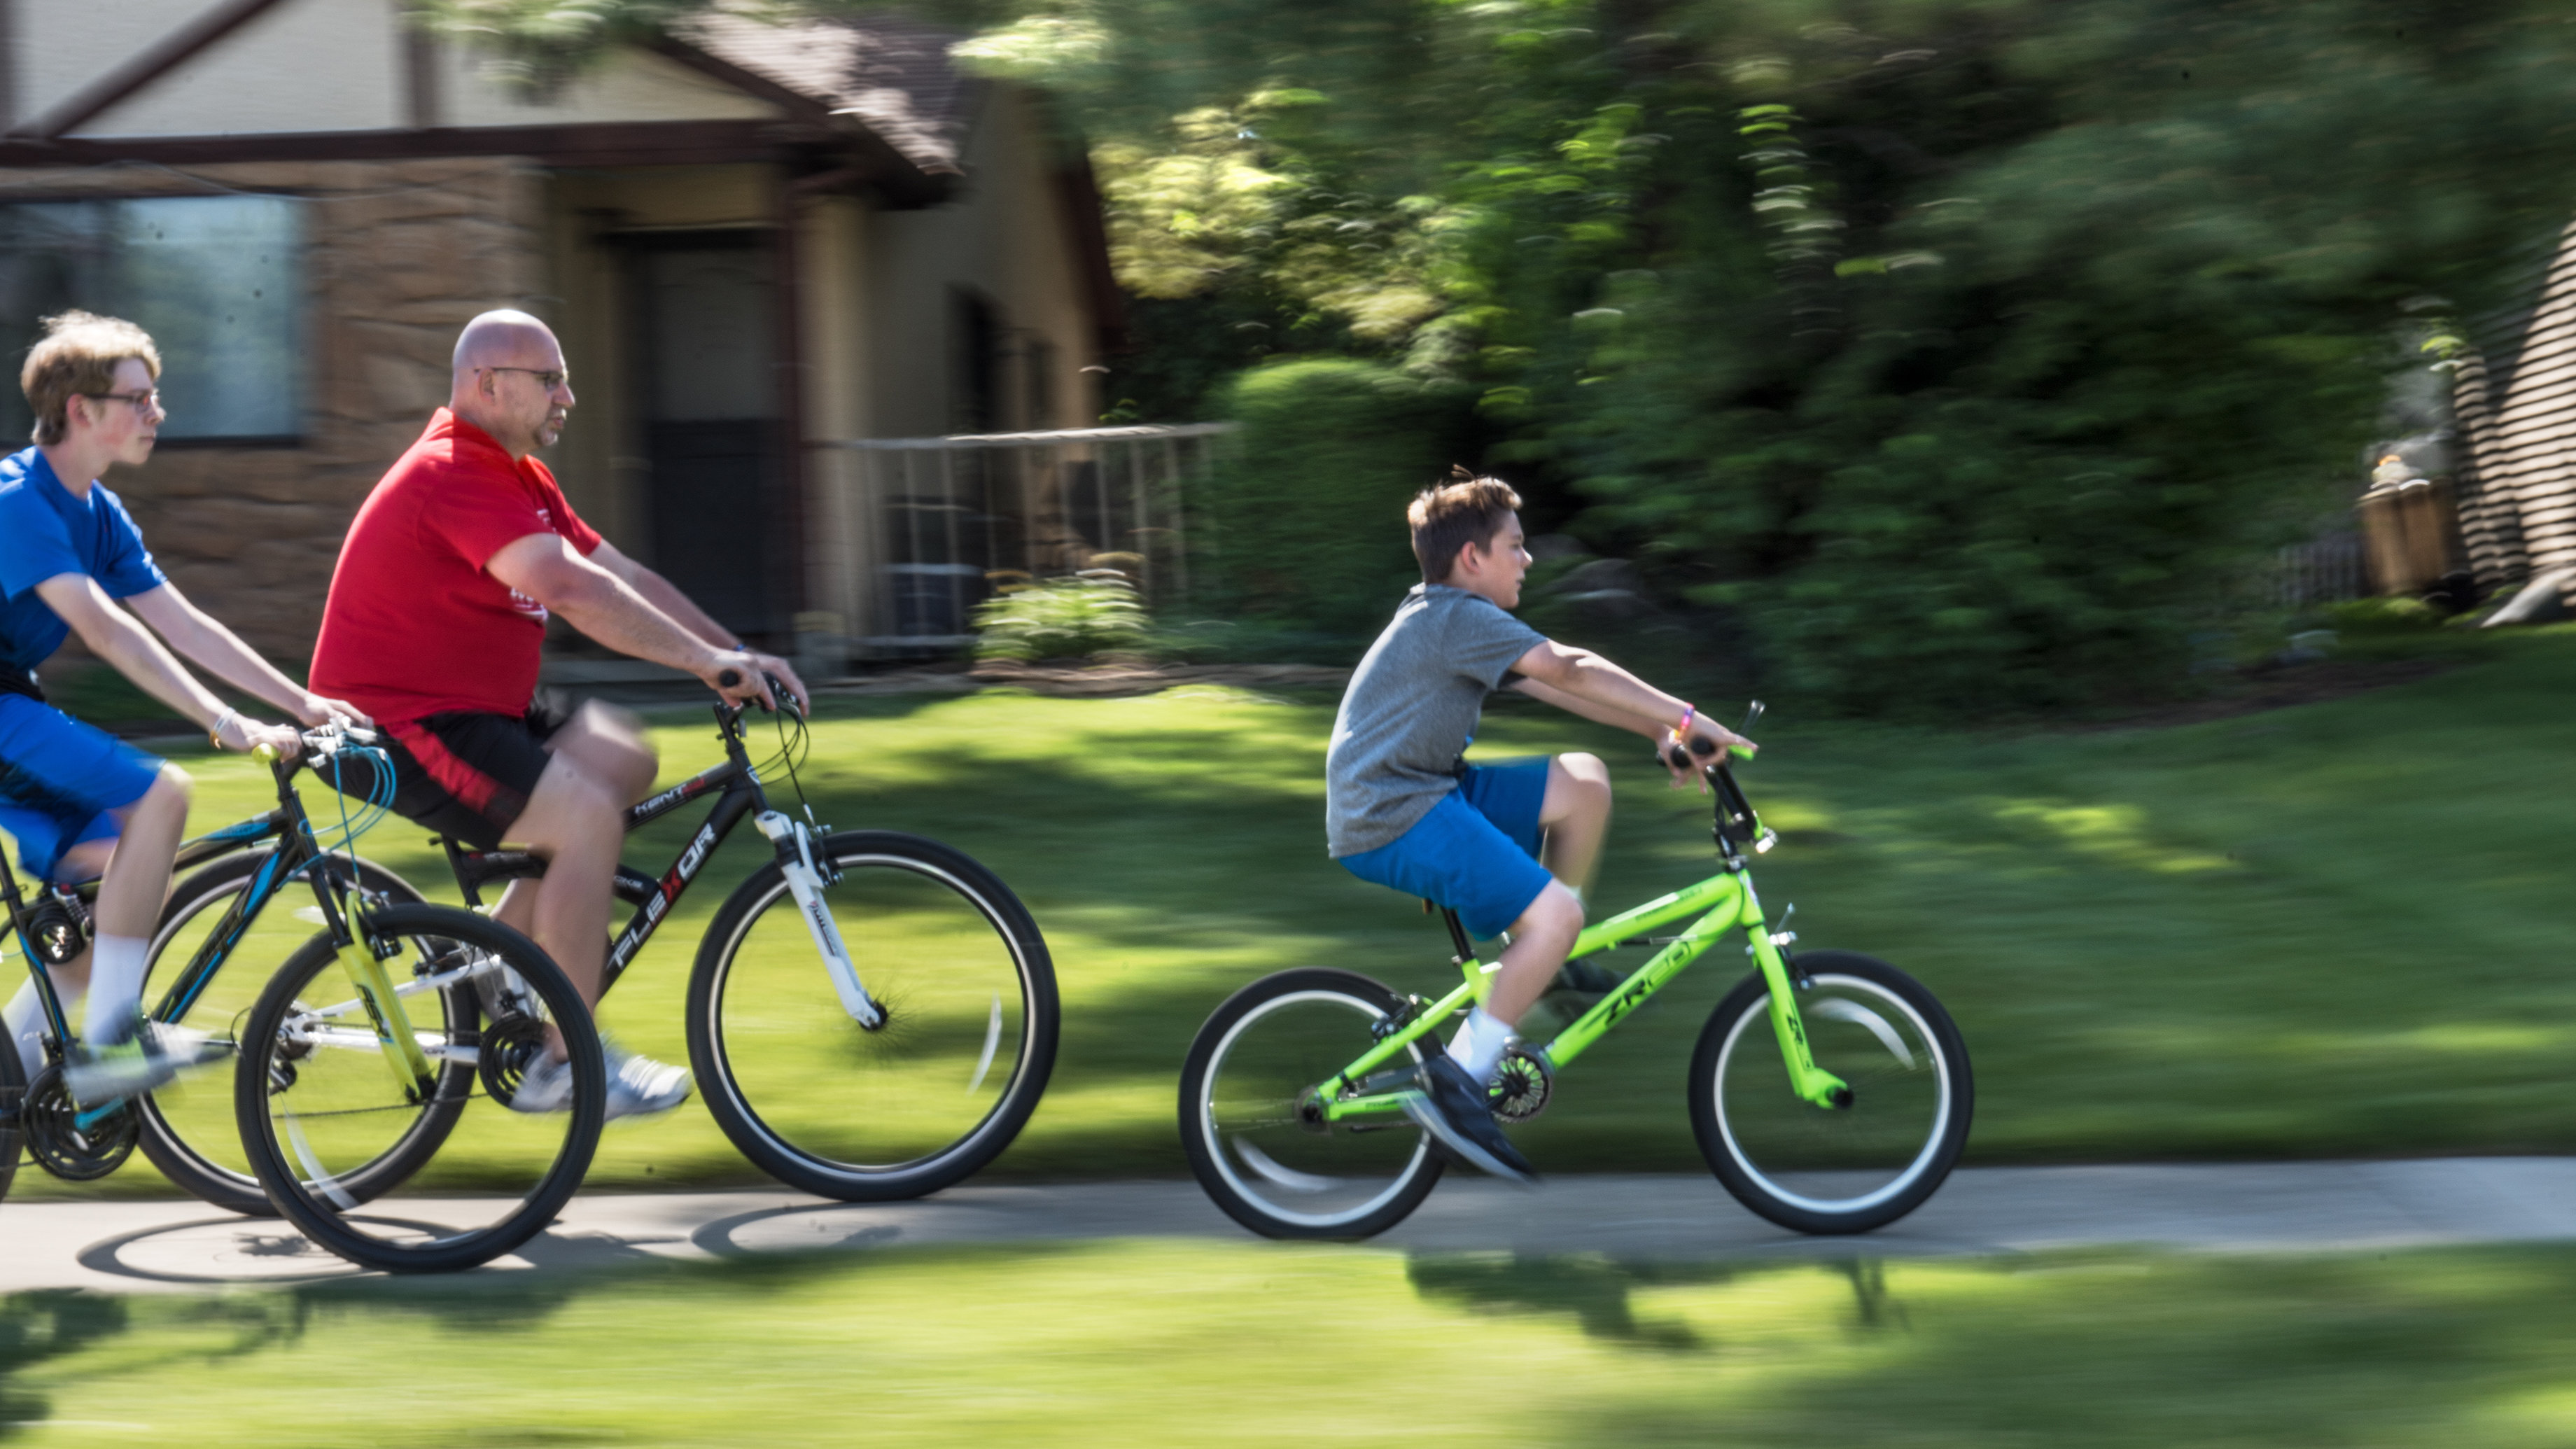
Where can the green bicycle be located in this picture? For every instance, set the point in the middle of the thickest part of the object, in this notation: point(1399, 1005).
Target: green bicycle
point(1830, 1092)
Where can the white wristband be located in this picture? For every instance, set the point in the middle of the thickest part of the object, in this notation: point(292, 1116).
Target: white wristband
point(215, 731)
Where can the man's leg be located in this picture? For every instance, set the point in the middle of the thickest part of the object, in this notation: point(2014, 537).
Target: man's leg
point(1576, 816)
point(576, 818)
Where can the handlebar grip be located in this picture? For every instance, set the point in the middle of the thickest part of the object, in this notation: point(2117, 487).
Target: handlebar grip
point(265, 754)
point(1741, 752)
point(1702, 746)
point(729, 677)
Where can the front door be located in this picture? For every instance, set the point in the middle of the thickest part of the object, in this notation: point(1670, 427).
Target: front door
point(711, 421)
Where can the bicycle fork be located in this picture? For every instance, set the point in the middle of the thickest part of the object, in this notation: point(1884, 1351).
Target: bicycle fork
point(394, 1035)
point(796, 861)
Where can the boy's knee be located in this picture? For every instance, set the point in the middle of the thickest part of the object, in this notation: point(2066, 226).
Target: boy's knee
point(172, 786)
point(1557, 908)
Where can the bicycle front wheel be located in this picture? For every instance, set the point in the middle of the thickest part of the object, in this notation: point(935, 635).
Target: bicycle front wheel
point(920, 1101)
point(1251, 1115)
point(1834, 1170)
point(188, 1128)
point(322, 1107)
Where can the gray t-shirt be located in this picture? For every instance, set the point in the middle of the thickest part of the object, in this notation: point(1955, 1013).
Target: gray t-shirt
point(1410, 710)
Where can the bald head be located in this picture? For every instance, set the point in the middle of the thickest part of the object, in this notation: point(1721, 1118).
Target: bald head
point(502, 338)
point(510, 380)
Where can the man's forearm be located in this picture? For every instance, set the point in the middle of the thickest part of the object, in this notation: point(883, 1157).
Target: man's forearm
point(615, 614)
point(683, 610)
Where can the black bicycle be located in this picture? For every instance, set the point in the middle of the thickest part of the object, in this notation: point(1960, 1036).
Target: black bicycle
point(371, 1041)
point(872, 1014)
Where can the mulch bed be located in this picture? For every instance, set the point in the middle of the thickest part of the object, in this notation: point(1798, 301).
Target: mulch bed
point(1094, 681)
point(2278, 689)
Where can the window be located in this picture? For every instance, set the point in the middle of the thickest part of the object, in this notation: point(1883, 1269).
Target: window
point(214, 279)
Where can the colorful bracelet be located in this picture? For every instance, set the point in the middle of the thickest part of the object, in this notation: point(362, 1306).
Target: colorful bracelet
point(1681, 732)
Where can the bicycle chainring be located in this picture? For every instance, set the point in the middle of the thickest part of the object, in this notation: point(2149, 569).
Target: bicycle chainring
point(510, 1046)
point(64, 1147)
point(1522, 1085)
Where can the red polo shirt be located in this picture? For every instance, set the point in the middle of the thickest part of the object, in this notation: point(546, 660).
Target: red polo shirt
point(414, 626)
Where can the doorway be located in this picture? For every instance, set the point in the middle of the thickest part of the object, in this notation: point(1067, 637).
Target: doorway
point(712, 421)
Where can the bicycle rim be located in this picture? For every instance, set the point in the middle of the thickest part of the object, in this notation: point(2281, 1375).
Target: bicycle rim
point(1852, 1162)
point(321, 1108)
point(1260, 1129)
point(932, 1094)
point(188, 1127)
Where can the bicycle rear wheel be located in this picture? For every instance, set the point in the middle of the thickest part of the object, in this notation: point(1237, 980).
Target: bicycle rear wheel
point(188, 1127)
point(1249, 1116)
point(1834, 1170)
point(319, 1105)
point(13, 1097)
point(910, 1106)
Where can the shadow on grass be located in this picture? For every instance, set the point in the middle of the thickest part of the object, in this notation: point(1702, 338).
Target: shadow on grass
point(1598, 1293)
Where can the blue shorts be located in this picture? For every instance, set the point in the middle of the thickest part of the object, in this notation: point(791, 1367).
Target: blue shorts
point(1476, 852)
point(59, 778)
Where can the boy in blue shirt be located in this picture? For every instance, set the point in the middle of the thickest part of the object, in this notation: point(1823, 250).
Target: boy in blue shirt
point(1404, 809)
point(80, 803)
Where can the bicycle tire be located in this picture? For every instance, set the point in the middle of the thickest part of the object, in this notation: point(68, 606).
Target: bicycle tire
point(1258, 1196)
point(378, 1240)
point(934, 935)
point(1834, 1171)
point(195, 1165)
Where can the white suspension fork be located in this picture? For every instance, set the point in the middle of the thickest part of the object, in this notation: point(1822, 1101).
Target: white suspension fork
point(805, 883)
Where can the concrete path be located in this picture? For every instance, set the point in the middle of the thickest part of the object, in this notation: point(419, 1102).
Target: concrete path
point(183, 1245)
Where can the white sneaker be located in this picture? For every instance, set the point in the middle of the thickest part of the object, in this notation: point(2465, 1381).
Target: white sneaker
point(641, 1086)
point(145, 1057)
point(547, 1087)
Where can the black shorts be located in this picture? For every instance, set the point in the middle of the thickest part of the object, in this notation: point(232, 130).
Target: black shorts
point(463, 774)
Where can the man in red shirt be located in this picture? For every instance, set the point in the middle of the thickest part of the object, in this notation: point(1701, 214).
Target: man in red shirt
point(436, 613)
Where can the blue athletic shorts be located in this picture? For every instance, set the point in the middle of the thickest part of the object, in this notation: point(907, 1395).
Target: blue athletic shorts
point(59, 778)
point(1476, 852)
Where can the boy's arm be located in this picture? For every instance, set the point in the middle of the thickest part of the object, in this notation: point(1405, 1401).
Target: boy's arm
point(199, 636)
point(1584, 683)
point(112, 635)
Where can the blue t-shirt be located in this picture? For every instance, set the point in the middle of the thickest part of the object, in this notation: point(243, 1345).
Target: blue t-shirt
point(45, 532)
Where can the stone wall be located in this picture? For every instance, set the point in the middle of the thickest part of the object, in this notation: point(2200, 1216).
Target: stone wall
point(399, 255)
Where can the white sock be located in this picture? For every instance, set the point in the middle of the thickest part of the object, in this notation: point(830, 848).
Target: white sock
point(24, 1020)
point(115, 985)
point(1479, 1045)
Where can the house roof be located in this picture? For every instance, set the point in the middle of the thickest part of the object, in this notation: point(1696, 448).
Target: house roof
point(892, 74)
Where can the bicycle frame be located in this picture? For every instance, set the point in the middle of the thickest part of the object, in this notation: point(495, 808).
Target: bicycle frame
point(297, 854)
point(1721, 904)
point(739, 795)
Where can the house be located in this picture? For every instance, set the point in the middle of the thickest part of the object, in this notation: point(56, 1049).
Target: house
point(759, 243)
point(2514, 399)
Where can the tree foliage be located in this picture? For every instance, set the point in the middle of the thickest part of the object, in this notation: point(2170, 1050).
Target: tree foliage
point(1968, 349)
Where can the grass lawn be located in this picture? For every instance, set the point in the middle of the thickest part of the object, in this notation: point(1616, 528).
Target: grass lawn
point(2342, 928)
point(1260, 1344)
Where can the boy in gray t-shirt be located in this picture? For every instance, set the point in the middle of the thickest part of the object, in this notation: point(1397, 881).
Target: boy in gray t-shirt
point(1403, 809)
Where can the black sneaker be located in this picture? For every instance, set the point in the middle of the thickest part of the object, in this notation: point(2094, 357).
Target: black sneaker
point(1453, 1110)
point(1585, 978)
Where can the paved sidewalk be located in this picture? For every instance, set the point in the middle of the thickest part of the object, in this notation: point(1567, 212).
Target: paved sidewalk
point(183, 1245)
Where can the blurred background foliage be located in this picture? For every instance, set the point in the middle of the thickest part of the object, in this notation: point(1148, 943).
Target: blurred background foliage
point(1946, 355)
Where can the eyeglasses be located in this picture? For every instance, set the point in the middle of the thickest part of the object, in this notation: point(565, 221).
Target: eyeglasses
point(547, 380)
point(144, 402)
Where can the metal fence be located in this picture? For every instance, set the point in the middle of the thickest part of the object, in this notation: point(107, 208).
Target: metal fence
point(912, 533)
point(2321, 571)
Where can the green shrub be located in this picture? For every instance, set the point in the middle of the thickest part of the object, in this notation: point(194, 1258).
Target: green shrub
point(1071, 618)
point(1307, 517)
point(2382, 616)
